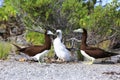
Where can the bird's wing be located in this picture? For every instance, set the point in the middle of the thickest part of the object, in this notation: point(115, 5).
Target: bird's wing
point(98, 53)
point(95, 52)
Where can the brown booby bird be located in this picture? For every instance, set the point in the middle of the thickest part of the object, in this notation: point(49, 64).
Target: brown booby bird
point(91, 53)
point(37, 51)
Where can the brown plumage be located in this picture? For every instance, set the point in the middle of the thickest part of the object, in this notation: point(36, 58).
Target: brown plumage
point(92, 53)
point(33, 50)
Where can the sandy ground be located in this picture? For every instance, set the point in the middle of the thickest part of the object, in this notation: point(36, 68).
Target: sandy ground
point(14, 70)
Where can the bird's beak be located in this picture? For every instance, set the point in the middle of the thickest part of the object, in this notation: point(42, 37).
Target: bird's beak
point(50, 33)
point(78, 30)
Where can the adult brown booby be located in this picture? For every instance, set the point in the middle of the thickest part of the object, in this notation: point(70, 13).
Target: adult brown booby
point(91, 53)
point(37, 51)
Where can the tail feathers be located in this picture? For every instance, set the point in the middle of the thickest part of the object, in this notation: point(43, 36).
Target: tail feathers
point(112, 54)
point(17, 46)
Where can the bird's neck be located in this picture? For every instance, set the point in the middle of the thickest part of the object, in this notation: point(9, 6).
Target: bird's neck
point(60, 36)
point(47, 42)
point(84, 39)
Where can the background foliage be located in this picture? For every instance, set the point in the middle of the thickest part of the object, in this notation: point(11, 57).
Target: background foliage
point(101, 21)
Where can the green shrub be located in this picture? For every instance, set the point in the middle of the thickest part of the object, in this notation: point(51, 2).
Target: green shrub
point(4, 50)
point(51, 53)
point(35, 38)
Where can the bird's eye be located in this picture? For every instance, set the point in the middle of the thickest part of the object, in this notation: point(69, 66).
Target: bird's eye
point(57, 33)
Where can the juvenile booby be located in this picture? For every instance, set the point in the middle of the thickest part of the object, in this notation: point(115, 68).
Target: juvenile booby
point(60, 49)
point(37, 51)
point(91, 53)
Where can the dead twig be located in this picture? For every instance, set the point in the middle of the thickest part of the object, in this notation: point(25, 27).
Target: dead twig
point(73, 39)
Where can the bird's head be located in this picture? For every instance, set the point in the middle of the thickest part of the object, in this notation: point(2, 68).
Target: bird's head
point(59, 33)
